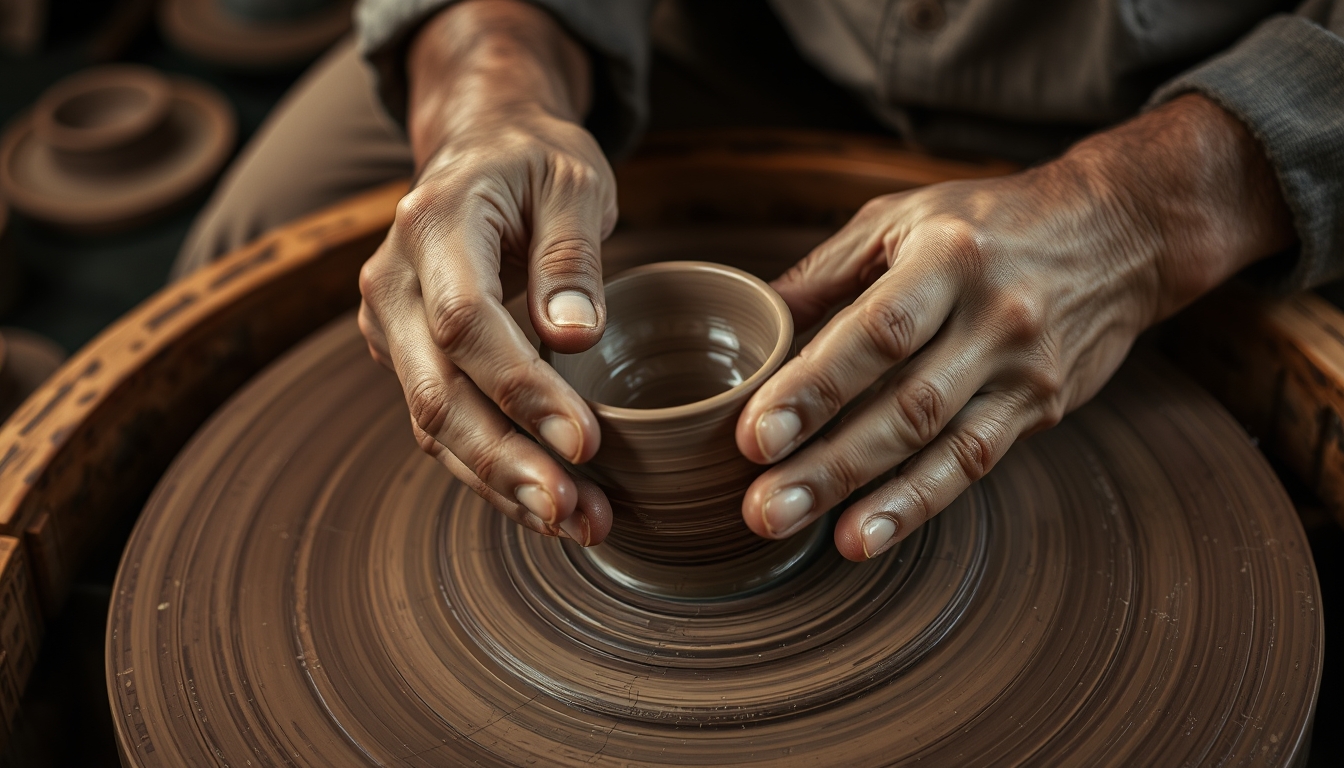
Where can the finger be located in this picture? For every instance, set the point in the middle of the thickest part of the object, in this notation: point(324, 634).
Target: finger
point(970, 446)
point(511, 508)
point(468, 323)
point(900, 419)
point(591, 521)
point(588, 524)
point(565, 295)
point(840, 268)
point(372, 330)
point(450, 409)
point(896, 316)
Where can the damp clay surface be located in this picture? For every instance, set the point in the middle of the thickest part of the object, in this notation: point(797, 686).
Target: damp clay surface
point(306, 588)
point(686, 345)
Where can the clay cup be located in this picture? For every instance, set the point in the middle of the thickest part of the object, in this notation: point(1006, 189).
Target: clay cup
point(686, 345)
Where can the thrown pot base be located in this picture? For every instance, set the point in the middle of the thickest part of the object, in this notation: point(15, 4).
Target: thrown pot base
point(305, 587)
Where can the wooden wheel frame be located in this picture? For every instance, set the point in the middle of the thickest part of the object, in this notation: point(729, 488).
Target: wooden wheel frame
point(87, 448)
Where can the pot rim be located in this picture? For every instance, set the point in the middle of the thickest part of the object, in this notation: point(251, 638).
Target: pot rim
point(783, 344)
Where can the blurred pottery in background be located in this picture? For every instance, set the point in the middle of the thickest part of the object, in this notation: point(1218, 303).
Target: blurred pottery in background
point(112, 147)
point(26, 360)
point(686, 345)
point(22, 23)
point(255, 34)
point(9, 263)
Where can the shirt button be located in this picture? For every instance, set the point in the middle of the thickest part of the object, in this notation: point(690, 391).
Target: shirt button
point(925, 15)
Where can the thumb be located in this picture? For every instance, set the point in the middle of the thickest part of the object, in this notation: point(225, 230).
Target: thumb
point(565, 297)
point(836, 271)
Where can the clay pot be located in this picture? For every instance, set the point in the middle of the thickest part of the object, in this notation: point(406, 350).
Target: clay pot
point(113, 146)
point(686, 345)
point(255, 35)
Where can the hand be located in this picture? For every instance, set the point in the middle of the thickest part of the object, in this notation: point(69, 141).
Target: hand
point(510, 189)
point(987, 310)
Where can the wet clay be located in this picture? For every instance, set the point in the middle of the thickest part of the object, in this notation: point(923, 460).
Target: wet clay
point(686, 345)
point(305, 587)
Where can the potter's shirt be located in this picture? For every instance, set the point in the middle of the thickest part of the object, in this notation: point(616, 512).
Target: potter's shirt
point(945, 73)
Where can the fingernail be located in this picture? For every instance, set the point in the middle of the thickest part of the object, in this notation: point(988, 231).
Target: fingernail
point(576, 526)
point(562, 435)
point(572, 309)
point(878, 534)
point(776, 431)
point(537, 501)
point(785, 508)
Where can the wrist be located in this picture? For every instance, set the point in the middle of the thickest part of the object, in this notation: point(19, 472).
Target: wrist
point(1192, 190)
point(481, 64)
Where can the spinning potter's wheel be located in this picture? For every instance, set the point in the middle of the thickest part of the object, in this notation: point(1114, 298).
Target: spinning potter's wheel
point(305, 587)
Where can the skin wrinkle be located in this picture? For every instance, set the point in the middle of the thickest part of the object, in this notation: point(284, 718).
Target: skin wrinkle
point(1037, 283)
point(1061, 266)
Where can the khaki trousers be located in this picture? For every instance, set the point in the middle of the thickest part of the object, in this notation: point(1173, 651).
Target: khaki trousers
point(715, 64)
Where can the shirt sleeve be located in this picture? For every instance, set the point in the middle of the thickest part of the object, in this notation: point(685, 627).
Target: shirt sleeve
point(615, 32)
point(1285, 81)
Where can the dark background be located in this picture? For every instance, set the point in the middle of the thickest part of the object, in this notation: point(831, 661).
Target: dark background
point(74, 286)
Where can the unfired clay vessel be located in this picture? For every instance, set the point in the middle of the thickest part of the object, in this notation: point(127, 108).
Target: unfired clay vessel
point(112, 146)
point(686, 345)
point(254, 35)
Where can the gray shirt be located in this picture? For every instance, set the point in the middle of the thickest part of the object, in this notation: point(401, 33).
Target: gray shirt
point(1085, 62)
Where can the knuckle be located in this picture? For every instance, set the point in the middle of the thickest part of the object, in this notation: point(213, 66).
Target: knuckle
point(575, 175)
point(843, 471)
point(960, 237)
point(890, 329)
point(1044, 379)
point(370, 278)
point(925, 505)
point(1021, 317)
point(825, 390)
point(426, 441)
point(367, 321)
point(958, 242)
point(876, 206)
point(974, 452)
point(571, 257)
point(487, 461)
point(455, 320)
point(921, 409)
point(414, 208)
point(428, 403)
point(513, 389)
point(1051, 415)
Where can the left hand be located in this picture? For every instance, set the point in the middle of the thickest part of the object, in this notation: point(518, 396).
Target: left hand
point(993, 308)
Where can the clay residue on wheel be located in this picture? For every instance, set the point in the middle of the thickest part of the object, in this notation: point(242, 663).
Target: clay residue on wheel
point(1129, 588)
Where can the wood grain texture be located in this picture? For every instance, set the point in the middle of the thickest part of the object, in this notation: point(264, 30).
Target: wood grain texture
point(20, 629)
point(1277, 363)
point(90, 444)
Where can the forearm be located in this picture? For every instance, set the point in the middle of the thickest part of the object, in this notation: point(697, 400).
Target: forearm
point(481, 61)
point(1195, 187)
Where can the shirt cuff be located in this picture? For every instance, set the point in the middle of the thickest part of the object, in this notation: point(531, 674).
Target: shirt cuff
point(1284, 82)
point(615, 33)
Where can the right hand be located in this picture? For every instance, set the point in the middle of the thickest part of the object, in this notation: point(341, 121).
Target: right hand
point(506, 193)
